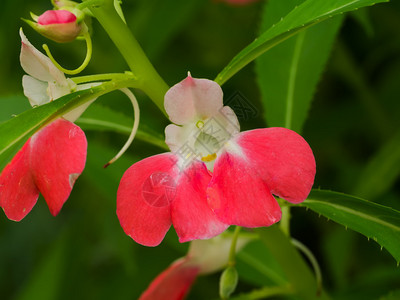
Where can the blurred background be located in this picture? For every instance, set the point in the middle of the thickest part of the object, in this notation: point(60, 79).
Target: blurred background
point(353, 129)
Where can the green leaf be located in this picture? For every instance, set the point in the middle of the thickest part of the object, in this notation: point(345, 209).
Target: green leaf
point(288, 74)
point(255, 264)
point(392, 295)
point(99, 117)
point(16, 131)
point(375, 221)
point(364, 20)
point(299, 275)
point(12, 105)
point(157, 22)
point(381, 171)
point(300, 18)
point(46, 279)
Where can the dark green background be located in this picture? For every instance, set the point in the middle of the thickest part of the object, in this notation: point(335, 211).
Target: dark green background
point(84, 254)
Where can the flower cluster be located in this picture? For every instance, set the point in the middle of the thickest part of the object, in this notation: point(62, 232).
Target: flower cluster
point(215, 176)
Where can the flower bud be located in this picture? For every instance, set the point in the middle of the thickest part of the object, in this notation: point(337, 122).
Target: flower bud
point(228, 282)
point(58, 25)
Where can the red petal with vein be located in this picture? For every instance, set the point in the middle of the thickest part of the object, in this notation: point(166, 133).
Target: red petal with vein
point(58, 156)
point(238, 195)
point(283, 159)
point(144, 196)
point(18, 193)
point(173, 283)
point(191, 215)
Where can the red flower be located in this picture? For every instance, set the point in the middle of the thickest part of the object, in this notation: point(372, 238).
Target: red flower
point(215, 176)
point(53, 158)
point(49, 163)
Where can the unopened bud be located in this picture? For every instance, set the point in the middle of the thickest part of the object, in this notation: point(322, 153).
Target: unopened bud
point(228, 282)
point(58, 25)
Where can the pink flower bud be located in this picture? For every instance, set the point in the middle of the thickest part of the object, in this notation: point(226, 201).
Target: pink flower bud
point(58, 25)
point(51, 17)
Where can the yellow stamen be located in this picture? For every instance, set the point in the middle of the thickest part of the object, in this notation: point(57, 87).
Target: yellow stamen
point(209, 157)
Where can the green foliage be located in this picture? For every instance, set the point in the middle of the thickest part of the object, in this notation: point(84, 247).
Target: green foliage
point(381, 171)
point(352, 128)
point(299, 275)
point(98, 117)
point(48, 273)
point(300, 18)
point(375, 221)
point(289, 72)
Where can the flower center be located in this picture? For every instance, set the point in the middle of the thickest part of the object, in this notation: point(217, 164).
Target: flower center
point(207, 146)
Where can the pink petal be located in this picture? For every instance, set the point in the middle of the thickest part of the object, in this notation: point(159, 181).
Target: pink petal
point(18, 193)
point(173, 283)
point(193, 99)
point(191, 215)
point(144, 196)
point(56, 17)
point(58, 156)
point(283, 159)
point(237, 194)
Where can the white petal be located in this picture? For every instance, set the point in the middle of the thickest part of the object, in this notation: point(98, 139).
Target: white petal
point(73, 115)
point(212, 255)
point(180, 137)
point(77, 112)
point(35, 90)
point(37, 64)
point(56, 91)
point(193, 99)
point(229, 119)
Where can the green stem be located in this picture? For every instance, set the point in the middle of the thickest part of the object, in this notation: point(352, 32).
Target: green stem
point(87, 3)
point(82, 66)
point(232, 251)
point(299, 275)
point(317, 270)
point(285, 220)
point(149, 80)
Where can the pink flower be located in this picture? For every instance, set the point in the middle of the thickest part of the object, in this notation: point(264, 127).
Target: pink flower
point(49, 163)
point(204, 257)
point(58, 25)
point(53, 158)
point(215, 176)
